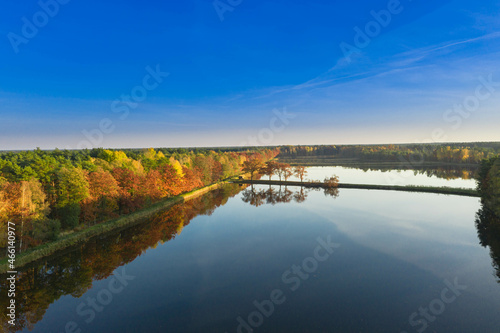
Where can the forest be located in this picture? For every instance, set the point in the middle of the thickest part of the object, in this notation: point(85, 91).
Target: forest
point(459, 153)
point(47, 193)
point(488, 179)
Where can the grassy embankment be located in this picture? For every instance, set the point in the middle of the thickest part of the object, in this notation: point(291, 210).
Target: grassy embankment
point(407, 188)
point(79, 237)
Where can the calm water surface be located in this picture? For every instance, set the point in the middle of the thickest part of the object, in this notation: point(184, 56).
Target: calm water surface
point(395, 257)
point(394, 253)
point(389, 177)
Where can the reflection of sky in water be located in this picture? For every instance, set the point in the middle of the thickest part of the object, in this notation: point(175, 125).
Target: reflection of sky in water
point(396, 250)
point(392, 177)
point(399, 223)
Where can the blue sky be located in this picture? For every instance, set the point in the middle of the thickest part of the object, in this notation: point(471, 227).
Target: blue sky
point(413, 76)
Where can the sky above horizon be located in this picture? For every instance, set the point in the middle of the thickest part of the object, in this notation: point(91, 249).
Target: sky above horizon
point(126, 74)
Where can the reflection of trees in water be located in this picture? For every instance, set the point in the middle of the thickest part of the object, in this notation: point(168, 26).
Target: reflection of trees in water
point(331, 191)
point(488, 217)
point(488, 231)
point(281, 194)
point(444, 172)
point(73, 272)
point(300, 196)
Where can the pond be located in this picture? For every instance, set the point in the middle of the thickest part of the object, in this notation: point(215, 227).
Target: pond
point(271, 259)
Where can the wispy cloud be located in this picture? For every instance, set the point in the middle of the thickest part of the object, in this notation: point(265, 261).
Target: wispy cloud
point(398, 62)
point(426, 51)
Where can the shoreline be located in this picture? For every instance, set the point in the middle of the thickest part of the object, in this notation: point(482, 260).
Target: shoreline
point(375, 164)
point(406, 188)
point(82, 236)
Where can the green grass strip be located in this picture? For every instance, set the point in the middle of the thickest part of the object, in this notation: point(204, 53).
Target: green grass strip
point(80, 237)
point(406, 188)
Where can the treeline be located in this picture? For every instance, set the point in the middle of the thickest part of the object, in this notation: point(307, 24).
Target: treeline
point(44, 192)
point(471, 153)
point(270, 168)
point(489, 185)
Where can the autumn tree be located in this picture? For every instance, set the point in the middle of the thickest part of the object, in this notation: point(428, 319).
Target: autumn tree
point(177, 166)
point(98, 184)
point(27, 200)
point(252, 166)
point(102, 202)
point(170, 180)
point(26, 204)
point(72, 187)
point(283, 170)
point(203, 166)
point(217, 171)
point(331, 182)
point(154, 187)
point(269, 168)
point(132, 190)
point(287, 171)
point(278, 171)
point(191, 180)
point(4, 209)
point(300, 172)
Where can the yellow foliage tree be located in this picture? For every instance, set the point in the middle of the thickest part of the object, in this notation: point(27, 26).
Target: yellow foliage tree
point(150, 153)
point(177, 166)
